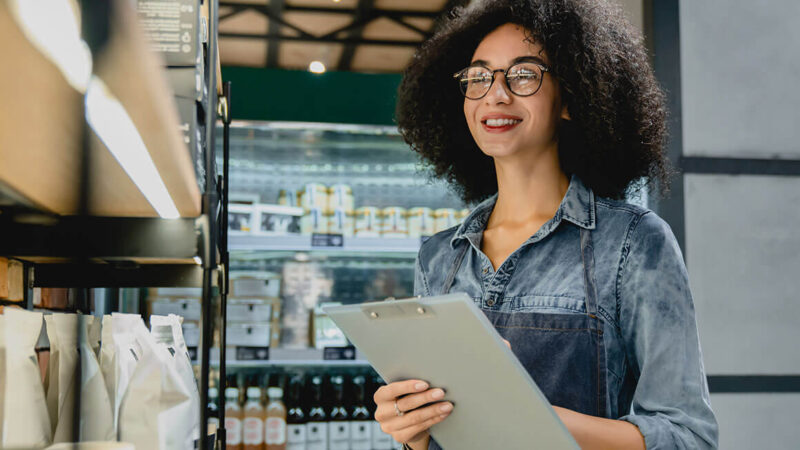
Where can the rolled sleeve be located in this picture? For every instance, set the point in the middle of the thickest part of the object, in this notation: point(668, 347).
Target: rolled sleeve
point(671, 403)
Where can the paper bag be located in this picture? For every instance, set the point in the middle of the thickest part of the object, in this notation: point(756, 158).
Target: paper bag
point(69, 346)
point(119, 355)
point(24, 422)
point(157, 410)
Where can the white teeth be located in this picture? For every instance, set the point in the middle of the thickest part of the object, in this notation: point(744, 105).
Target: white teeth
point(501, 122)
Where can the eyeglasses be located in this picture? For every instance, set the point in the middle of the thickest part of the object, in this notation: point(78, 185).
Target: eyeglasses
point(522, 79)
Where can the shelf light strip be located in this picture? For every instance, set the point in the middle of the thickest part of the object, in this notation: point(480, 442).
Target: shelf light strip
point(112, 124)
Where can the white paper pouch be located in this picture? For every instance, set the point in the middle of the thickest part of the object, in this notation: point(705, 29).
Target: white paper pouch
point(157, 410)
point(95, 332)
point(119, 355)
point(168, 333)
point(23, 410)
point(96, 422)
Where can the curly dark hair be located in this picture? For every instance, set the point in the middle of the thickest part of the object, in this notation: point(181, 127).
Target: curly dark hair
point(616, 137)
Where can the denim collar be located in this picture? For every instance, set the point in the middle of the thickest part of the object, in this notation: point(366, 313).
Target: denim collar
point(577, 206)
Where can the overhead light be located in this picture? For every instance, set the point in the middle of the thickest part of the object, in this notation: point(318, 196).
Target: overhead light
point(316, 67)
point(112, 124)
point(336, 1)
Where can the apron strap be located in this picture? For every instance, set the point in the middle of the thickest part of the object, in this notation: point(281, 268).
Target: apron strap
point(589, 284)
point(448, 282)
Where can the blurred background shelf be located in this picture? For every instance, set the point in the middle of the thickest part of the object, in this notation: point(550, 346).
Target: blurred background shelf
point(243, 242)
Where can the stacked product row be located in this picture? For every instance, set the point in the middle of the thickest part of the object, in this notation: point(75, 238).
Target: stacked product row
point(136, 386)
point(319, 209)
point(313, 412)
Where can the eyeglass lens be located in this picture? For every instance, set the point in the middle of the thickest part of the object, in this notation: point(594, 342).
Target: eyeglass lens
point(522, 79)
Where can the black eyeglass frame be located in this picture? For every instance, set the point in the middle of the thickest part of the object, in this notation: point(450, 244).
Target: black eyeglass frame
point(458, 74)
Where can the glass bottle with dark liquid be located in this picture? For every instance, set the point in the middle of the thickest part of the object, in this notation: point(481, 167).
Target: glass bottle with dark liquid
point(360, 418)
point(317, 425)
point(296, 416)
point(339, 426)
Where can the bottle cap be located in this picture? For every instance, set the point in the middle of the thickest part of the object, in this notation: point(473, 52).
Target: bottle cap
point(275, 392)
point(253, 393)
point(213, 392)
point(232, 392)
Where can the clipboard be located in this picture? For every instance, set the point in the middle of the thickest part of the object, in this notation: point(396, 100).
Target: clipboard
point(448, 342)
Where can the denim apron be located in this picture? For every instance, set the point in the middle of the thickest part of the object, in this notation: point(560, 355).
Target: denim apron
point(563, 353)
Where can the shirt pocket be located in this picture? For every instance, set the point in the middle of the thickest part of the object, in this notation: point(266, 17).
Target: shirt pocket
point(552, 303)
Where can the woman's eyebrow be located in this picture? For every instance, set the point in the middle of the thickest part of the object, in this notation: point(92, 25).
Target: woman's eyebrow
point(518, 59)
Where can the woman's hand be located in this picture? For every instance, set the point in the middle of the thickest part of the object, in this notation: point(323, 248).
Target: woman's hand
point(419, 407)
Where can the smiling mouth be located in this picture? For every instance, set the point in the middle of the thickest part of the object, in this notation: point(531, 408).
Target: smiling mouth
point(500, 125)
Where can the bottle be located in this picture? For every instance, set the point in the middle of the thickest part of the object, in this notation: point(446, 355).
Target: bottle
point(339, 427)
point(233, 419)
point(253, 424)
point(317, 425)
point(213, 409)
point(380, 440)
point(275, 434)
point(360, 424)
point(295, 416)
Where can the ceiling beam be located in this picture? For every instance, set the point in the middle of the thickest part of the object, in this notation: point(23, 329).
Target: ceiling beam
point(352, 11)
point(362, 17)
point(273, 46)
point(331, 40)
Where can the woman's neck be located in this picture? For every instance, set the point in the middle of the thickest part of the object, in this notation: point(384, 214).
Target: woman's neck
point(529, 189)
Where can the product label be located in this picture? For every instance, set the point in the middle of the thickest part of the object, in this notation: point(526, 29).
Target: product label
point(276, 431)
point(296, 434)
point(380, 440)
point(317, 436)
point(234, 430)
point(253, 431)
point(339, 433)
point(361, 435)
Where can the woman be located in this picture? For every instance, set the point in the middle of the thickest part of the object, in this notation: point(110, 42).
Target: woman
point(548, 113)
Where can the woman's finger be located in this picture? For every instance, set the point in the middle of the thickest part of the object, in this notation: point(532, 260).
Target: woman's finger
point(391, 391)
point(409, 433)
point(414, 401)
point(416, 417)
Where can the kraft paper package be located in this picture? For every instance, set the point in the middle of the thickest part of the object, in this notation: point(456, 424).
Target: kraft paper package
point(168, 333)
point(119, 355)
point(24, 422)
point(96, 422)
point(157, 411)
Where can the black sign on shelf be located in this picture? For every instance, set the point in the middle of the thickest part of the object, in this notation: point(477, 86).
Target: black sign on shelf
point(339, 353)
point(327, 240)
point(252, 353)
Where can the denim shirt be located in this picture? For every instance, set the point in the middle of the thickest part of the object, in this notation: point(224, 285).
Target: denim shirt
point(655, 376)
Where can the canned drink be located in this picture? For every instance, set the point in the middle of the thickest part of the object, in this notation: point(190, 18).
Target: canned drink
point(420, 222)
point(445, 219)
point(288, 197)
point(462, 214)
point(313, 221)
point(368, 222)
point(395, 222)
point(314, 195)
point(340, 196)
point(341, 222)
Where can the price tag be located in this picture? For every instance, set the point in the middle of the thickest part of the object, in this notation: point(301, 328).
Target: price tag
point(339, 353)
point(327, 240)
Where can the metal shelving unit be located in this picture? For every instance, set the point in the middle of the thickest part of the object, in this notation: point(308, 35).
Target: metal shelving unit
point(78, 249)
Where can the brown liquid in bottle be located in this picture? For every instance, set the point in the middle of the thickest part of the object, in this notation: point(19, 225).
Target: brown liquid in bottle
point(275, 436)
point(233, 420)
point(253, 424)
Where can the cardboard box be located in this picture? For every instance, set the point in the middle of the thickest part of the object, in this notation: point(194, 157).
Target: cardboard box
point(173, 29)
point(188, 308)
point(188, 83)
point(261, 285)
point(277, 220)
point(248, 334)
point(241, 218)
point(249, 310)
point(11, 280)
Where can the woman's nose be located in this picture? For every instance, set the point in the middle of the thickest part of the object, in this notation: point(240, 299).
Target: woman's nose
point(498, 92)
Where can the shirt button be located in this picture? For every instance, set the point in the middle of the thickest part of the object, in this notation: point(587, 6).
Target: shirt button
point(485, 270)
point(490, 302)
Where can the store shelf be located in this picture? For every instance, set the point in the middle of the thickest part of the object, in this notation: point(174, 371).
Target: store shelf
point(310, 357)
point(250, 242)
point(42, 154)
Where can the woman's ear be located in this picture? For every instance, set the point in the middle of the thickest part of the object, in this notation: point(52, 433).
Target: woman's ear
point(565, 113)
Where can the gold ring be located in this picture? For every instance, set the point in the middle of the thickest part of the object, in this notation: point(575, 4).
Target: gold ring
point(397, 410)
